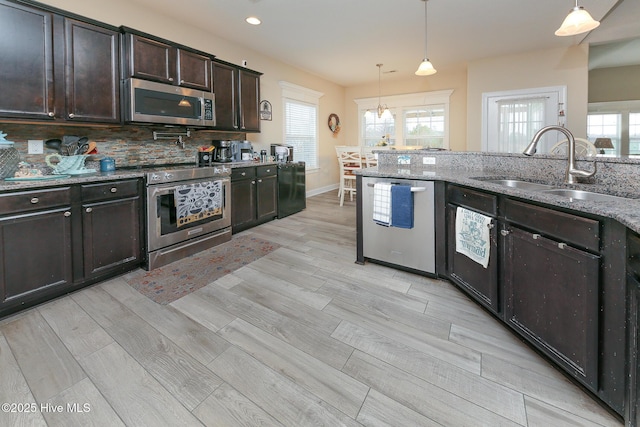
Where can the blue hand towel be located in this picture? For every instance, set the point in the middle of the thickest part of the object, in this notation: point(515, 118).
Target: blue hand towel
point(401, 206)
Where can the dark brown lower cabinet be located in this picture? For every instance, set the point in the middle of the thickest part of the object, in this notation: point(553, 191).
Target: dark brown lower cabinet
point(632, 401)
point(552, 298)
point(110, 234)
point(35, 255)
point(55, 240)
point(479, 282)
point(111, 231)
point(254, 196)
point(632, 394)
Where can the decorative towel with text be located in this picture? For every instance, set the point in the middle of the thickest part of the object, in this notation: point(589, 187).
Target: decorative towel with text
point(473, 235)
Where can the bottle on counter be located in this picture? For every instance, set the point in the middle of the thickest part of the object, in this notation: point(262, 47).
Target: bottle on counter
point(263, 156)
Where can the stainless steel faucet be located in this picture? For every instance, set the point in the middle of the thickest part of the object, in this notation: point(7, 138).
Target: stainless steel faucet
point(572, 171)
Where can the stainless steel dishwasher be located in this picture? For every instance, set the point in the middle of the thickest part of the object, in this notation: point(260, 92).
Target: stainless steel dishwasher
point(412, 248)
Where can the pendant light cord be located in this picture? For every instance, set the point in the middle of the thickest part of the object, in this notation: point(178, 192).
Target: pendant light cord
point(425, 28)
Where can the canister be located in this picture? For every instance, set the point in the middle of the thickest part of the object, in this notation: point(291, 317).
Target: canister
point(107, 164)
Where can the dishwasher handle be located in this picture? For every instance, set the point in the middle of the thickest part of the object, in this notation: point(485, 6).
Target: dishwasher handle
point(413, 189)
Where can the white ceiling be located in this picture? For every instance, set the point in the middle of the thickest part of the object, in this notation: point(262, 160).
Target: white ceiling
point(343, 40)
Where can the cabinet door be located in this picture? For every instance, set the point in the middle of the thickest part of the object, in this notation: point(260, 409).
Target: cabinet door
point(108, 248)
point(481, 283)
point(632, 400)
point(26, 62)
point(243, 204)
point(35, 255)
point(92, 67)
point(224, 88)
point(551, 298)
point(152, 59)
point(267, 197)
point(249, 99)
point(194, 70)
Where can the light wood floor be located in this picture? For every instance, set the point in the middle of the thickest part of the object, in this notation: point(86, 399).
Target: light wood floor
point(303, 336)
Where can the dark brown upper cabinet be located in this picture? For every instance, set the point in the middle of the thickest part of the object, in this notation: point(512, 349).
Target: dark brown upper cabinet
point(150, 58)
point(39, 45)
point(237, 92)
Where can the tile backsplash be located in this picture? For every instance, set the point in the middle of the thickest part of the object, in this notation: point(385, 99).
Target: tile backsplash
point(129, 145)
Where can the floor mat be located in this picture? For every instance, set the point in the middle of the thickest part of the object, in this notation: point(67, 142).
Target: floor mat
point(172, 281)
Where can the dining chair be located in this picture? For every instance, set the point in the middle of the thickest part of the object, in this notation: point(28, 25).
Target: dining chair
point(368, 158)
point(583, 148)
point(349, 160)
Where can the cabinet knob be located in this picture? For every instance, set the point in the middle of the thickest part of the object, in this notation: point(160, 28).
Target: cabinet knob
point(504, 232)
point(243, 173)
point(35, 200)
point(67, 214)
point(259, 180)
point(170, 79)
point(562, 245)
point(536, 236)
point(253, 182)
point(490, 225)
point(268, 170)
point(88, 210)
point(113, 189)
point(71, 115)
point(181, 81)
point(51, 114)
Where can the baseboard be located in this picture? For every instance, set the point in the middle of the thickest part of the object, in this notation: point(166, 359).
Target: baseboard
point(321, 190)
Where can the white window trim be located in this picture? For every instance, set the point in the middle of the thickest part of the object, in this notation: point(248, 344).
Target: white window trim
point(302, 94)
point(419, 99)
point(489, 97)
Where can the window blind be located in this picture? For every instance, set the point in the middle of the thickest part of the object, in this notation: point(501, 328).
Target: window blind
point(425, 126)
point(301, 131)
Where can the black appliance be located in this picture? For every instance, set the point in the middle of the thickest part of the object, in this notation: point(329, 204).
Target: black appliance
point(290, 157)
point(222, 152)
point(292, 190)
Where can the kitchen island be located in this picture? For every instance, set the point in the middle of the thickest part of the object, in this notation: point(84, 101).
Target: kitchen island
point(556, 271)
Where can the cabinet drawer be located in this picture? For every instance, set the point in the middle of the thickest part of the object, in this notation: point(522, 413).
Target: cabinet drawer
point(34, 200)
point(263, 171)
point(109, 190)
point(483, 202)
point(242, 173)
point(566, 227)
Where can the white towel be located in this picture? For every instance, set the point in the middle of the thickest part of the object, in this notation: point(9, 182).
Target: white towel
point(473, 235)
point(382, 203)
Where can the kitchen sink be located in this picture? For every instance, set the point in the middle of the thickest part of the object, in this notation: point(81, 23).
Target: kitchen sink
point(583, 195)
point(516, 183)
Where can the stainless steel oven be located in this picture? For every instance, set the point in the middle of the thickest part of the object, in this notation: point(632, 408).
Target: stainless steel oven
point(171, 233)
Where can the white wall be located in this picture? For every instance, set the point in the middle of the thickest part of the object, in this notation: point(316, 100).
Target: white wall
point(552, 67)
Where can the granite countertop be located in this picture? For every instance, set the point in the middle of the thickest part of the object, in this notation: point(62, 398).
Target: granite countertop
point(244, 164)
point(626, 211)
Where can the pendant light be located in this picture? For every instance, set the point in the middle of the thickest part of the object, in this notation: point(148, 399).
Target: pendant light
point(578, 21)
point(381, 108)
point(425, 68)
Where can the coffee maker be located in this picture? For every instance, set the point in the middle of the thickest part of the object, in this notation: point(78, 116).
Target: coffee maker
point(222, 152)
point(241, 151)
point(282, 152)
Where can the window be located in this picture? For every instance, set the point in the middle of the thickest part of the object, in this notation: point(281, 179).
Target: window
point(618, 120)
point(605, 126)
point(417, 119)
point(511, 118)
point(301, 122)
point(424, 126)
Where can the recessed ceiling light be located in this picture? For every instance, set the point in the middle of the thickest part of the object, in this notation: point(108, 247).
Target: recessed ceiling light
point(253, 20)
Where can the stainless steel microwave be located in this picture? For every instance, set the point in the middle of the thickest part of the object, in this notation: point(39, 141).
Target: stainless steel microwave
point(151, 102)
